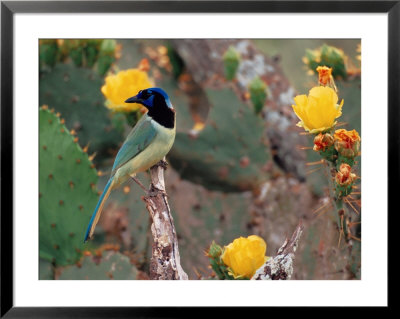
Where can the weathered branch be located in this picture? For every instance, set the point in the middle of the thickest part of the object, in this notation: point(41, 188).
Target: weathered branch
point(280, 267)
point(165, 261)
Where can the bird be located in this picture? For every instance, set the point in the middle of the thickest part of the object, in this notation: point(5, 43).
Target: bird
point(148, 142)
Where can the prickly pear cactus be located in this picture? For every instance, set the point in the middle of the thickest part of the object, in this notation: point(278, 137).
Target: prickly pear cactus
point(98, 54)
point(329, 56)
point(75, 92)
point(230, 153)
point(201, 215)
point(125, 218)
point(113, 265)
point(67, 191)
point(350, 92)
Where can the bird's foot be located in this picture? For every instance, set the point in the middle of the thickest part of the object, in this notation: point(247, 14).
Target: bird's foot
point(163, 164)
point(153, 192)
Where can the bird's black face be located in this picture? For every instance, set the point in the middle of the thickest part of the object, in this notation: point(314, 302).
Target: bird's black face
point(157, 102)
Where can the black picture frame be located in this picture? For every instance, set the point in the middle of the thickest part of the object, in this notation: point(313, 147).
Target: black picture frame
point(9, 8)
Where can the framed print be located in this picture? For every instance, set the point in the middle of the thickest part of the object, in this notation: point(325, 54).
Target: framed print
point(163, 150)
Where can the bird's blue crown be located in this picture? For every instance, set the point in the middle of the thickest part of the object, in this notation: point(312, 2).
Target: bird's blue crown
point(148, 96)
point(160, 108)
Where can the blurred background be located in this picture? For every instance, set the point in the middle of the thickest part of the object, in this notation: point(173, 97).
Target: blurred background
point(239, 165)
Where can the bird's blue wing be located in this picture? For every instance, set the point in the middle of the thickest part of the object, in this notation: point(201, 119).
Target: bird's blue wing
point(138, 139)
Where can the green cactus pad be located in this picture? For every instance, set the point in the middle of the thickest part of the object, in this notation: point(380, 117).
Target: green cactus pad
point(230, 152)
point(75, 92)
point(67, 192)
point(113, 265)
point(137, 216)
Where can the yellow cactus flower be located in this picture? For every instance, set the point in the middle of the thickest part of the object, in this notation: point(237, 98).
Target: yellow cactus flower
point(318, 111)
point(121, 86)
point(245, 255)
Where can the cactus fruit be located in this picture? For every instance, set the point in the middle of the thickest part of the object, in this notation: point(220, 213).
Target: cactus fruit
point(231, 60)
point(106, 56)
point(76, 51)
point(91, 51)
point(229, 154)
point(75, 92)
point(83, 53)
point(112, 265)
point(258, 93)
point(67, 191)
point(48, 52)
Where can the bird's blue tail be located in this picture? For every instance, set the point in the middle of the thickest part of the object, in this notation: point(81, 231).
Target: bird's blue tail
point(98, 209)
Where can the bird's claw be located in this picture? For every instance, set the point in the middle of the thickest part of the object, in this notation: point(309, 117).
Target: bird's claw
point(163, 164)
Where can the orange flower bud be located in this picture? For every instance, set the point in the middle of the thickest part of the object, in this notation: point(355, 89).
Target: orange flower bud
point(144, 65)
point(344, 177)
point(322, 142)
point(324, 75)
point(347, 143)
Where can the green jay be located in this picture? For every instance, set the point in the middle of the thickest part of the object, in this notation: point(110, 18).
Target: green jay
point(147, 144)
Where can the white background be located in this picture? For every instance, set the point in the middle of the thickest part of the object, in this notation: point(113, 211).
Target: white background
point(370, 291)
